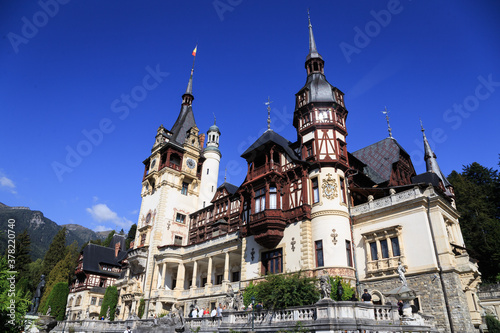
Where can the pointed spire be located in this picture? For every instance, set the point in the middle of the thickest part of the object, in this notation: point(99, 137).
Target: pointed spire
point(188, 97)
point(268, 103)
point(313, 52)
point(431, 162)
point(386, 112)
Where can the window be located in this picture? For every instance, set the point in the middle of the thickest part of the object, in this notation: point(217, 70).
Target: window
point(102, 283)
point(78, 300)
point(315, 190)
point(341, 149)
point(236, 276)
point(93, 300)
point(342, 190)
point(373, 250)
point(348, 251)
point(148, 218)
point(180, 218)
point(395, 247)
point(384, 248)
point(318, 245)
point(218, 279)
point(208, 170)
point(177, 240)
point(184, 189)
point(272, 197)
point(246, 213)
point(309, 150)
point(260, 200)
point(203, 281)
point(272, 262)
point(100, 301)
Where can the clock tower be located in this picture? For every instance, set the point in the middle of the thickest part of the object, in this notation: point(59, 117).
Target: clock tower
point(320, 120)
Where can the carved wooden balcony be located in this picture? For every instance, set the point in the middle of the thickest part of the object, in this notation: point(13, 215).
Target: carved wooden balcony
point(267, 227)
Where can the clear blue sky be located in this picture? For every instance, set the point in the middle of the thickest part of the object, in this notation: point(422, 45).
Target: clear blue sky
point(65, 73)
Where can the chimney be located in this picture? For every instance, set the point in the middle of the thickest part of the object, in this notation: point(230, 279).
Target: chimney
point(201, 137)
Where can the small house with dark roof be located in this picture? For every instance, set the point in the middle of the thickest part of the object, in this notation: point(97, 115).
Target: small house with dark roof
point(98, 268)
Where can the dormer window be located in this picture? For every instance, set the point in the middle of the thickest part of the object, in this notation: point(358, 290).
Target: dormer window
point(260, 200)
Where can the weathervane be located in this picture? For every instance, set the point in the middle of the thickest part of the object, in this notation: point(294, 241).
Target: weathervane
point(386, 112)
point(268, 103)
point(215, 119)
point(421, 125)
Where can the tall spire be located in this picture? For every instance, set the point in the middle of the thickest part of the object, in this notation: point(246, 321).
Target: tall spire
point(431, 162)
point(389, 129)
point(188, 97)
point(313, 52)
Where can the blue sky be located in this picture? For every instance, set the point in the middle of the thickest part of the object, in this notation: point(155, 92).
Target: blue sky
point(73, 144)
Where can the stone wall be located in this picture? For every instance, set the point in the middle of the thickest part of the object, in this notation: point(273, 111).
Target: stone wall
point(431, 298)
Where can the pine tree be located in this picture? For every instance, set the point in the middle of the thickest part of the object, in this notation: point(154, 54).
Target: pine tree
point(22, 256)
point(108, 239)
point(63, 272)
point(56, 252)
point(130, 236)
point(57, 300)
point(478, 202)
point(110, 301)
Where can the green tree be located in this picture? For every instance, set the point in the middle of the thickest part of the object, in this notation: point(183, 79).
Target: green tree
point(348, 291)
point(62, 272)
point(283, 291)
point(14, 303)
point(130, 236)
point(250, 291)
point(478, 202)
point(57, 300)
point(22, 255)
point(56, 252)
point(493, 324)
point(108, 239)
point(110, 301)
point(142, 307)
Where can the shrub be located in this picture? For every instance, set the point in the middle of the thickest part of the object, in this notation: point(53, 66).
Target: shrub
point(283, 291)
point(348, 290)
point(493, 324)
point(250, 291)
point(57, 300)
point(142, 306)
point(110, 300)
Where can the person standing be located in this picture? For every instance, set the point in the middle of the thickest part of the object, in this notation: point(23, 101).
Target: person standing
point(366, 297)
point(219, 312)
point(127, 330)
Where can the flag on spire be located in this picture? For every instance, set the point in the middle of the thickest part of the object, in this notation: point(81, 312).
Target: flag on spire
point(194, 51)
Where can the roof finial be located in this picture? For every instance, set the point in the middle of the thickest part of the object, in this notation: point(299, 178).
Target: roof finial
point(313, 52)
point(215, 119)
point(225, 175)
point(189, 89)
point(422, 126)
point(386, 112)
point(268, 103)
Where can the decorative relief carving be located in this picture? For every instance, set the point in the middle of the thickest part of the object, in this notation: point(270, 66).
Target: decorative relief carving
point(293, 242)
point(334, 236)
point(329, 187)
point(330, 212)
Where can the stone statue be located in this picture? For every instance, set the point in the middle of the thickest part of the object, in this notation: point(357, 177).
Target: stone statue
point(87, 314)
point(230, 298)
point(238, 301)
point(35, 302)
point(401, 273)
point(48, 311)
point(340, 291)
point(324, 284)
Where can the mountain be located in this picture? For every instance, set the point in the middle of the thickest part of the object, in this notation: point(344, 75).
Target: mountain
point(40, 228)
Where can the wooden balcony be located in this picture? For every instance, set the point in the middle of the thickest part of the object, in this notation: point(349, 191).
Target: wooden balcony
point(268, 227)
point(264, 169)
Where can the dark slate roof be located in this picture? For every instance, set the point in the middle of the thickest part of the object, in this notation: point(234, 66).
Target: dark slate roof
point(229, 187)
point(117, 238)
point(427, 178)
point(379, 158)
point(268, 136)
point(320, 90)
point(184, 122)
point(94, 255)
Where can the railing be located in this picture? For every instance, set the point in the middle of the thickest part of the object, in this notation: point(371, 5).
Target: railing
point(386, 201)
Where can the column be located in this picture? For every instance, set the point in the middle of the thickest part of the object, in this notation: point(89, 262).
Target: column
point(209, 272)
point(226, 267)
point(195, 272)
point(180, 277)
point(164, 275)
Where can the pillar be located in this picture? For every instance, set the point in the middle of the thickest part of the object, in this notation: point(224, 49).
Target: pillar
point(180, 277)
point(209, 272)
point(195, 272)
point(226, 267)
point(164, 275)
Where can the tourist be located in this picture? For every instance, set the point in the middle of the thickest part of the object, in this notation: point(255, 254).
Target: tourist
point(213, 314)
point(366, 297)
point(219, 311)
point(127, 330)
point(194, 314)
point(200, 313)
point(259, 307)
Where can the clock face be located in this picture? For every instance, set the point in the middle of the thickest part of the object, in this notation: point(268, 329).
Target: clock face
point(153, 163)
point(191, 163)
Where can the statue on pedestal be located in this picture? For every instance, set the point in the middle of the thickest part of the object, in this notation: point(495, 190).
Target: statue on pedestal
point(35, 302)
point(401, 273)
point(324, 284)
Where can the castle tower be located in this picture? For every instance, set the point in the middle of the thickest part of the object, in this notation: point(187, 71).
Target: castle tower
point(320, 118)
point(210, 170)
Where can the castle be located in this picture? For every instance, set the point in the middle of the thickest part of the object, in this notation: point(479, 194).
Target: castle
point(308, 205)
